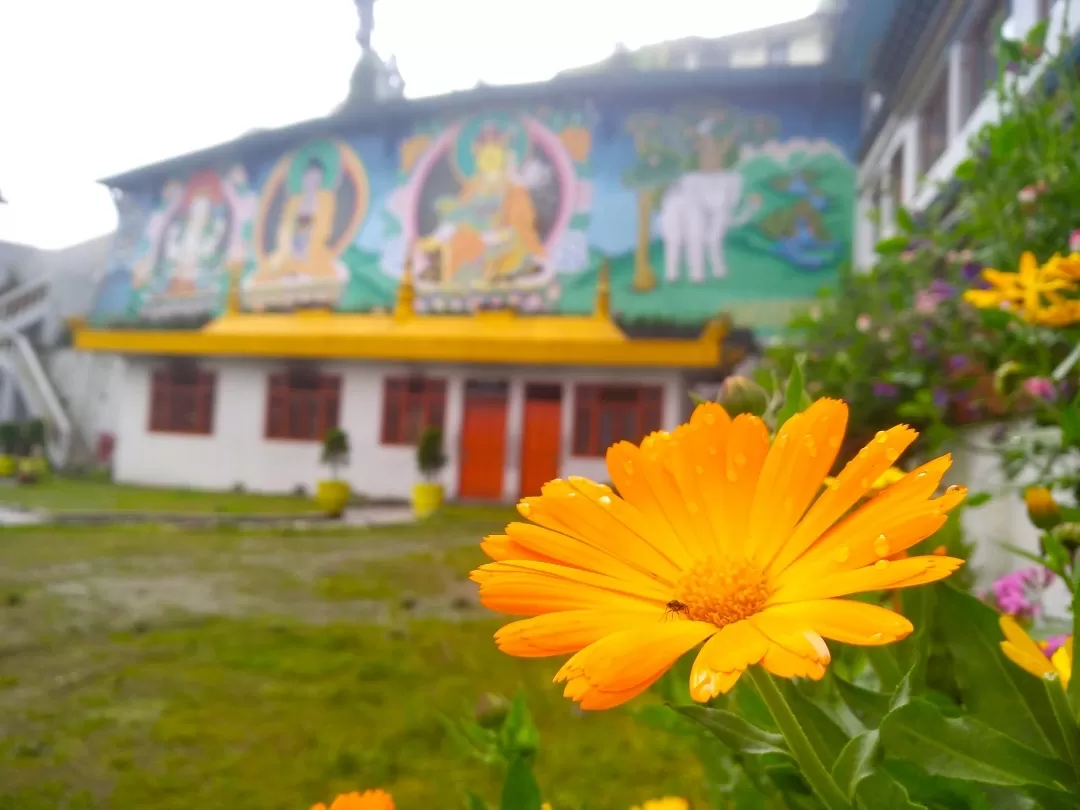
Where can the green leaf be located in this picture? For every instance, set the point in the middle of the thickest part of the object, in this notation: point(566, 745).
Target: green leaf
point(965, 748)
point(825, 734)
point(995, 690)
point(520, 791)
point(856, 762)
point(879, 791)
point(893, 246)
point(519, 736)
point(914, 651)
point(734, 732)
point(795, 394)
point(885, 666)
point(474, 802)
point(977, 499)
point(870, 707)
point(903, 220)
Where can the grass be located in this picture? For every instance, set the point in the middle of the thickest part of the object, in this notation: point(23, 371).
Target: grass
point(145, 668)
point(94, 494)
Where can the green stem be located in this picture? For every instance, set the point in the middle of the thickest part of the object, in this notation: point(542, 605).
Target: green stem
point(1070, 730)
point(813, 770)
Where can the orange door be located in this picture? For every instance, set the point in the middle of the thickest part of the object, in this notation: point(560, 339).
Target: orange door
point(483, 441)
point(540, 437)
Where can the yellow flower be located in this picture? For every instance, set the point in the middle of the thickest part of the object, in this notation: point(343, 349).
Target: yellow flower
point(1042, 509)
point(666, 803)
point(1022, 650)
point(1028, 292)
point(1063, 313)
point(368, 800)
point(716, 537)
point(887, 478)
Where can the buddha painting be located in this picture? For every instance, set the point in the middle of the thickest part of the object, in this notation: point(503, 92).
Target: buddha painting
point(312, 206)
point(488, 200)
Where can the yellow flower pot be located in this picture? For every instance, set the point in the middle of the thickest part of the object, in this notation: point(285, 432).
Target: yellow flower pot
point(7, 466)
point(426, 499)
point(332, 497)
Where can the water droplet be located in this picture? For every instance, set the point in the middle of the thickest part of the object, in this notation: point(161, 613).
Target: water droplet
point(863, 453)
point(881, 437)
point(921, 475)
point(877, 637)
point(712, 451)
point(881, 564)
point(571, 494)
point(811, 447)
point(740, 460)
point(881, 545)
point(892, 454)
point(710, 418)
point(842, 554)
point(699, 469)
point(524, 509)
point(834, 442)
point(731, 476)
point(628, 467)
point(604, 500)
point(834, 485)
point(865, 483)
point(953, 489)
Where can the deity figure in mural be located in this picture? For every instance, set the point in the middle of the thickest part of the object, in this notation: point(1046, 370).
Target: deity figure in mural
point(490, 225)
point(312, 207)
point(193, 242)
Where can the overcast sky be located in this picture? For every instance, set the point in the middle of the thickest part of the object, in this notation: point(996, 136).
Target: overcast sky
point(88, 89)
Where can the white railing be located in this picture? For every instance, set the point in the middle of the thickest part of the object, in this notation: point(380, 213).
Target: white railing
point(21, 306)
point(39, 393)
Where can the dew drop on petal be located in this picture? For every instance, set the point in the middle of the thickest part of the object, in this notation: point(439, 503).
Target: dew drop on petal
point(877, 637)
point(881, 564)
point(881, 545)
point(834, 442)
point(712, 451)
point(892, 454)
point(880, 437)
point(865, 483)
point(699, 469)
point(731, 476)
point(524, 509)
point(604, 500)
point(710, 419)
point(834, 485)
point(628, 467)
point(863, 453)
point(740, 460)
point(842, 554)
point(921, 475)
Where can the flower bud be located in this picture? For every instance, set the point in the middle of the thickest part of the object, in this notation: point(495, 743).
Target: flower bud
point(1042, 508)
point(743, 395)
point(1068, 534)
point(491, 710)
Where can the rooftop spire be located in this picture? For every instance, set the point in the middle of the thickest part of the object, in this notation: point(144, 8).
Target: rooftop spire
point(372, 79)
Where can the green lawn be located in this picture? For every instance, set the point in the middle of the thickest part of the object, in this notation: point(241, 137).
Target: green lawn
point(78, 494)
point(159, 669)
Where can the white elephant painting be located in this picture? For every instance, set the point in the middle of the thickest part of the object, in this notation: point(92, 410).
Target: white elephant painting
point(696, 213)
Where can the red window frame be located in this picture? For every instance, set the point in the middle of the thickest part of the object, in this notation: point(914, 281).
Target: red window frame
point(182, 400)
point(411, 404)
point(606, 414)
point(302, 406)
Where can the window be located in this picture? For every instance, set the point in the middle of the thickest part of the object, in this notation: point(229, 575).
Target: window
point(182, 400)
point(934, 125)
point(1043, 10)
point(411, 404)
point(983, 41)
point(779, 53)
point(750, 56)
point(302, 405)
point(605, 414)
point(807, 50)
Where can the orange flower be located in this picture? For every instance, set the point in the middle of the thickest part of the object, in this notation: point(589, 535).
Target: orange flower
point(715, 537)
point(1022, 650)
point(368, 800)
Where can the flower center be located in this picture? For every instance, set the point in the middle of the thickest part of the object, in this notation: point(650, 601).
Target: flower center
point(722, 590)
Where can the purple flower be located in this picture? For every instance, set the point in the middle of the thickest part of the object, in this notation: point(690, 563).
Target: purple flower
point(942, 290)
point(1040, 388)
point(885, 390)
point(941, 398)
point(972, 271)
point(958, 362)
point(918, 342)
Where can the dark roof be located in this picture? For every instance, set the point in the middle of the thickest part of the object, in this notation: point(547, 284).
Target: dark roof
point(912, 23)
point(394, 115)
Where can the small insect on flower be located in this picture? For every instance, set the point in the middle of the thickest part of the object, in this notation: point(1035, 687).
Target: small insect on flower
point(674, 607)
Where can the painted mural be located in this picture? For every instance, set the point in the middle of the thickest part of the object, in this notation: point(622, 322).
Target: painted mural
point(696, 209)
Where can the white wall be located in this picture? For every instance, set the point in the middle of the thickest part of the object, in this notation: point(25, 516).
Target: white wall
point(238, 453)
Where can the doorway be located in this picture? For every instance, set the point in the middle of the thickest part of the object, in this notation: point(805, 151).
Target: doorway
point(541, 436)
point(483, 441)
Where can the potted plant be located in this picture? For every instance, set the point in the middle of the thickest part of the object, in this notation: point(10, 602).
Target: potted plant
point(9, 445)
point(427, 495)
point(333, 495)
point(34, 464)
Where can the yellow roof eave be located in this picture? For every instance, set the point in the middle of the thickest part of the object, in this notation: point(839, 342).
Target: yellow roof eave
point(494, 337)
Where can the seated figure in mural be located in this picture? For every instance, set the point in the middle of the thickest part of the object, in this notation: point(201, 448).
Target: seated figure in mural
point(303, 236)
point(491, 225)
point(192, 240)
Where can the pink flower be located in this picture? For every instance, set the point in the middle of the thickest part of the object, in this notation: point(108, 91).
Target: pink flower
point(1040, 388)
point(1053, 644)
point(925, 302)
point(863, 323)
point(1027, 195)
point(1074, 241)
point(1019, 593)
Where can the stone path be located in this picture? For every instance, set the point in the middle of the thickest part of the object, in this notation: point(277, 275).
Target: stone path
point(13, 517)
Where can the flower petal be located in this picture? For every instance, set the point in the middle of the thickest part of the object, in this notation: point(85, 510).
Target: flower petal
point(882, 575)
point(846, 621)
point(501, 547)
point(564, 632)
point(724, 658)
